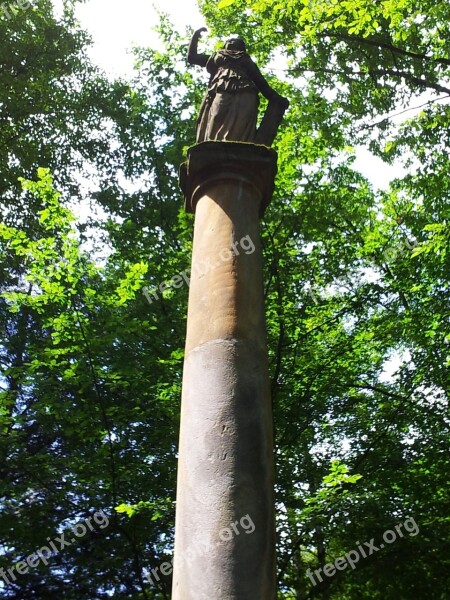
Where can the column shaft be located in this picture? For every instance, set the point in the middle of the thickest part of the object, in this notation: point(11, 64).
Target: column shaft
point(225, 534)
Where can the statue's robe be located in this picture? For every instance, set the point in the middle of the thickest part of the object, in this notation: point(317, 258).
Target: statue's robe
point(229, 109)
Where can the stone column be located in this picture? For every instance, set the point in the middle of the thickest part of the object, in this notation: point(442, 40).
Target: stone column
point(225, 531)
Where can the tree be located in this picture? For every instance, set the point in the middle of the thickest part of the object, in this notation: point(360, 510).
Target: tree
point(89, 405)
point(356, 277)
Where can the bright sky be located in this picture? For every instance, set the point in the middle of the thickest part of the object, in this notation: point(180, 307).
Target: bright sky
point(116, 26)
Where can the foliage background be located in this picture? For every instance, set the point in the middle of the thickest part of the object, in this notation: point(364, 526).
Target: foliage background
point(356, 279)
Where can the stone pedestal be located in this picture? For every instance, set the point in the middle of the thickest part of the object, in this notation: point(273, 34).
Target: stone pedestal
point(225, 532)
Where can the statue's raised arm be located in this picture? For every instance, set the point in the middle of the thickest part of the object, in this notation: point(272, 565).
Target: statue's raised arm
point(229, 110)
point(193, 57)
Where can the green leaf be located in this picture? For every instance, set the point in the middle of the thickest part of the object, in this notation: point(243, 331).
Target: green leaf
point(225, 3)
point(126, 508)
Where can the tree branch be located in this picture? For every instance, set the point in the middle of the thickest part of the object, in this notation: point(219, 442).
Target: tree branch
point(386, 45)
point(412, 78)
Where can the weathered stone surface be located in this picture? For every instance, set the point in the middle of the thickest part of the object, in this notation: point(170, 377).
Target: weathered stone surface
point(225, 473)
point(225, 468)
point(254, 165)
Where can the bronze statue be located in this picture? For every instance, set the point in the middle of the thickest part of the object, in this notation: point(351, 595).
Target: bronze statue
point(229, 109)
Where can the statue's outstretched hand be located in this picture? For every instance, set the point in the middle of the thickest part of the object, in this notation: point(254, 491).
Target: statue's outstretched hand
point(193, 56)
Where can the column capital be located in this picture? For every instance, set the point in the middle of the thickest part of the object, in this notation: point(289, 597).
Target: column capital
point(211, 161)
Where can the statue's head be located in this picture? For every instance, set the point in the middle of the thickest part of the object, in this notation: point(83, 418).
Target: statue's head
point(236, 44)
